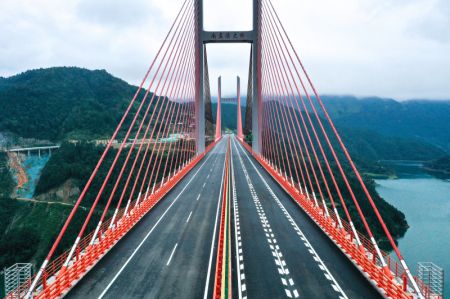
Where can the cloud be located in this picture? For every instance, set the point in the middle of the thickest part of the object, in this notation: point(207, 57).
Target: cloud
point(434, 23)
point(393, 48)
point(116, 13)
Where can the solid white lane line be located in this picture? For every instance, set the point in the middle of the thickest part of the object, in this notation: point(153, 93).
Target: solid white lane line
point(152, 229)
point(171, 255)
point(187, 220)
point(335, 285)
point(205, 295)
point(237, 232)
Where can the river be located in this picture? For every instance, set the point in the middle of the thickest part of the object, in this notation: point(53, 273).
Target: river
point(425, 201)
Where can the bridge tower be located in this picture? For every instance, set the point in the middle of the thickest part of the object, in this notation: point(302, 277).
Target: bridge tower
point(204, 37)
point(219, 110)
point(240, 135)
point(238, 109)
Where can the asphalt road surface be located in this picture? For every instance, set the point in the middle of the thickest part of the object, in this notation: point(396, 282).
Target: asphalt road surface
point(277, 251)
point(169, 254)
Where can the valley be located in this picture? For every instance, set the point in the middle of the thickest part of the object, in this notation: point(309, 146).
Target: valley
point(79, 108)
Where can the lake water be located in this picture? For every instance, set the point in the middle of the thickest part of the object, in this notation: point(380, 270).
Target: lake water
point(425, 201)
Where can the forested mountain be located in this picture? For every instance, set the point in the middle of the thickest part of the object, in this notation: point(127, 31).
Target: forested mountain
point(74, 103)
point(425, 120)
point(363, 143)
point(62, 102)
point(439, 167)
point(69, 103)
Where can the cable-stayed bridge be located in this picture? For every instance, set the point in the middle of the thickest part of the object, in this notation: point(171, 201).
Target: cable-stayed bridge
point(179, 210)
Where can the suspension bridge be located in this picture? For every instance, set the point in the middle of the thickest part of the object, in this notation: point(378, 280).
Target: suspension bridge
point(209, 215)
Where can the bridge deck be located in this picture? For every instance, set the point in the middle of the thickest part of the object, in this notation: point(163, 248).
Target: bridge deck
point(168, 253)
point(35, 148)
point(313, 262)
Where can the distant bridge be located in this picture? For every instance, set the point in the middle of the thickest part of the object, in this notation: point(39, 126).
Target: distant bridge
point(28, 150)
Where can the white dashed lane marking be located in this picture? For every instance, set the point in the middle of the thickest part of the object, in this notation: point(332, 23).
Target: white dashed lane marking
point(189, 217)
point(283, 270)
point(334, 284)
point(242, 287)
point(171, 255)
point(116, 276)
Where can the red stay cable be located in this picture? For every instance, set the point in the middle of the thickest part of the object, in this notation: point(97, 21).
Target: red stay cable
point(165, 99)
point(308, 155)
point(349, 189)
point(314, 132)
point(118, 155)
point(183, 111)
point(99, 163)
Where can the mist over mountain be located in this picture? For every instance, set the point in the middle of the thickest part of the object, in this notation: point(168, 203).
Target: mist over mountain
point(70, 102)
point(365, 143)
point(426, 120)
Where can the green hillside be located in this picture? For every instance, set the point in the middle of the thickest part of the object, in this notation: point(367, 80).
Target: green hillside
point(67, 103)
point(62, 102)
point(425, 120)
point(363, 143)
point(6, 180)
point(439, 167)
point(56, 104)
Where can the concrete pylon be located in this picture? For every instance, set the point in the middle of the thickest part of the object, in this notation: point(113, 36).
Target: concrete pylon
point(240, 135)
point(204, 37)
point(218, 115)
point(256, 82)
point(199, 81)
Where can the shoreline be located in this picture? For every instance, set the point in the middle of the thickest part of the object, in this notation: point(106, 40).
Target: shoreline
point(427, 217)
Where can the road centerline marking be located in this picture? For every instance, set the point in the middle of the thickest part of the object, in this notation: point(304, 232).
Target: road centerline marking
point(205, 295)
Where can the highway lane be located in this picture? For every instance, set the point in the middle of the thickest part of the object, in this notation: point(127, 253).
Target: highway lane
point(279, 252)
point(169, 254)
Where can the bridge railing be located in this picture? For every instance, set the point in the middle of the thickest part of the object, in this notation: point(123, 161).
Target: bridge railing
point(57, 280)
point(393, 263)
point(393, 281)
point(55, 266)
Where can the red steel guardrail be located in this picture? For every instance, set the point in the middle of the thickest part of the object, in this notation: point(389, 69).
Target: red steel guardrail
point(393, 283)
point(57, 280)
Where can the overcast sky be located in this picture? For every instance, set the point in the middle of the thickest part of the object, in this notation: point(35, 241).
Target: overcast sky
point(388, 48)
